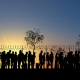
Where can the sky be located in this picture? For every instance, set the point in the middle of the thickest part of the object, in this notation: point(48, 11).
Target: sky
point(58, 20)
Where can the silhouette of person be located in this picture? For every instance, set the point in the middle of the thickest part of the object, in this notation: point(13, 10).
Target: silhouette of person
point(47, 60)
point(25, 60)
point(20, 58)
point(0, 55)
point(12, 59)
point(33, 60)
point(70, 59)
point(56, 61)
point(15, 60)
point(77, 59)
point(41, 59)
point(61, 60)
point(3, 59)
point(44, 60)
point(8, 58)
point(65, 62)
point(29, 59)
point(51, 60)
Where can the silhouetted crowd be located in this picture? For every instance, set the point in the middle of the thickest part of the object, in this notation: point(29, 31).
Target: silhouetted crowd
point(11, 60)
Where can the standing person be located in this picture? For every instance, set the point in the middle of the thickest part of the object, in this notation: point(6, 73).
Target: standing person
point(15, 60)
point(51, 60)
point(44, 60)
point(47, 60)
point(40, 59)
point(29, 59)
point(33, 60)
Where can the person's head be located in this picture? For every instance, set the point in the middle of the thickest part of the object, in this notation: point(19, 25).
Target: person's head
point(15, 53)
point(44, 53)
point(41, 51)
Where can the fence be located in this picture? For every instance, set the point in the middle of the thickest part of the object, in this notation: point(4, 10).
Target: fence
point(53, 48)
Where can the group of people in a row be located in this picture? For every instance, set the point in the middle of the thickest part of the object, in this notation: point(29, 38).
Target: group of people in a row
point(69, 61)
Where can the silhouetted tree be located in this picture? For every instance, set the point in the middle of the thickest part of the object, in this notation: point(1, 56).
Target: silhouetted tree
point(33, 37)
point(78, 44)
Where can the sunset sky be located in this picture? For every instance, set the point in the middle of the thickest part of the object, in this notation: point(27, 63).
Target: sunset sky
point(58, 20)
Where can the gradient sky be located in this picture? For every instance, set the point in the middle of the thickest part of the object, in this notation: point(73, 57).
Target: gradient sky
point(58, 20)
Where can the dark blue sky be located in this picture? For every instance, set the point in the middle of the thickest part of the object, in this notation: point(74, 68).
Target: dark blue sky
point(59, 20)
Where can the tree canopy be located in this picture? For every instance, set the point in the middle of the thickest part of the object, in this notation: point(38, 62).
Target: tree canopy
point(33, 37)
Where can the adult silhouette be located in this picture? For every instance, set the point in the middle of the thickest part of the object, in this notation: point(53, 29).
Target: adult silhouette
point(20, 58)
point(15, 60)
point(29, 59)
point(8, 55)
point(12, 59)
point(57, 61)
point(51, 60)
point(25, 61)
point(47, 60)
point(44, 59)
point(3, 59)
point(41, 59)
point(33, 60)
